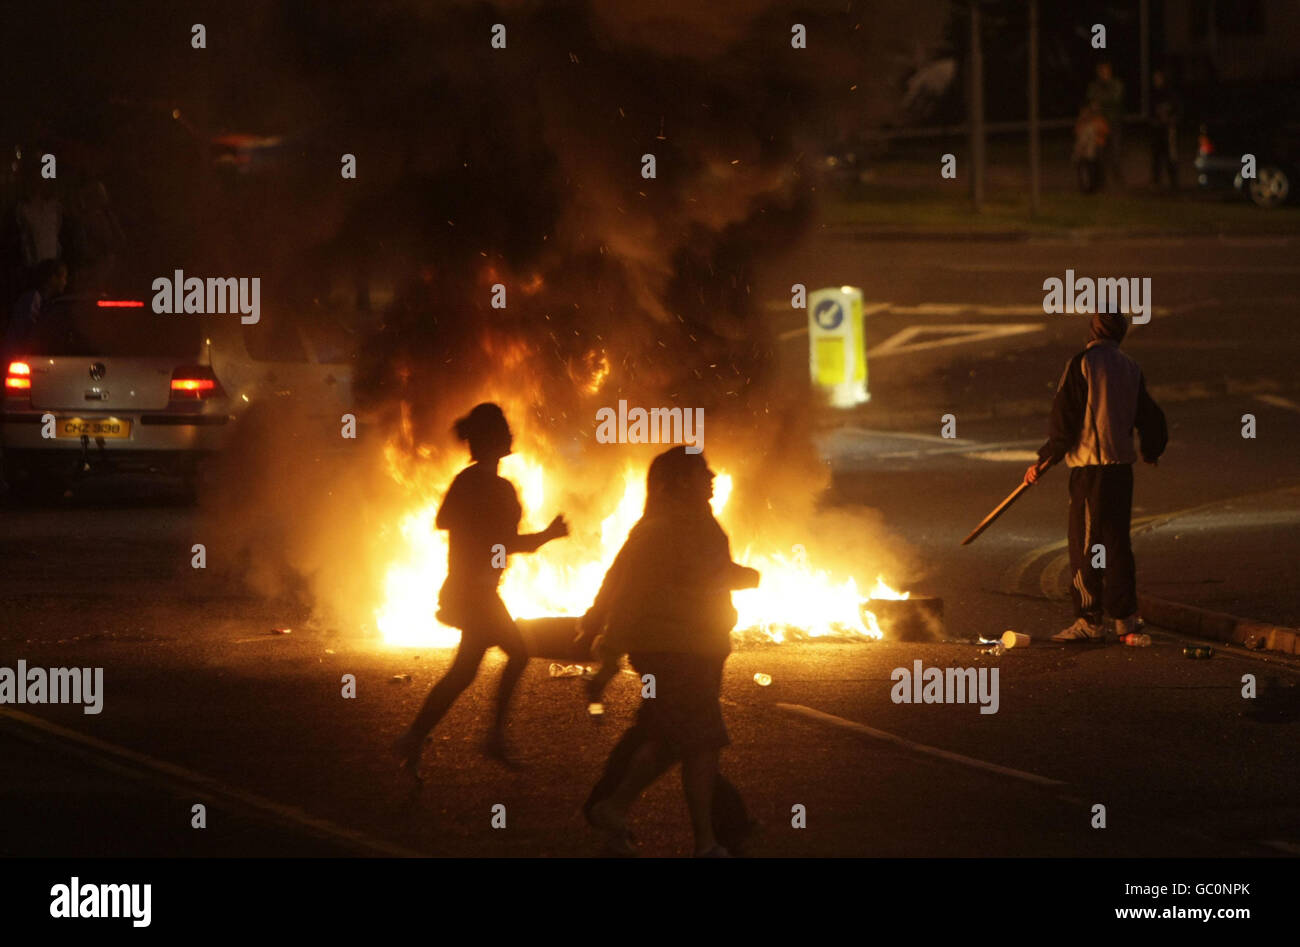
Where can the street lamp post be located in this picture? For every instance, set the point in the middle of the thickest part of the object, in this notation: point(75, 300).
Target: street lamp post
point(1034, 180)
point(1144, 42)
point(976, 80)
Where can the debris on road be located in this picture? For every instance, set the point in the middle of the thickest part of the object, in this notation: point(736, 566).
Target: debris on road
point(1014, 639)
point(1136, 640)
point(400, 679)
point(281, 631)
point(1195, 652)
point(569, 670)
point(762, 680)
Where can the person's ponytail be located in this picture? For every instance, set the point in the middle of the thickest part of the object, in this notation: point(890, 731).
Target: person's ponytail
point(482, 426)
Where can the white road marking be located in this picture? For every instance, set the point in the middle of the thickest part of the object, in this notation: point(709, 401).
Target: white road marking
point(954, 309)
point(1146, 268)
point(1291, 848)
point(1060, 789)
point(1052, 581)
point(951, 757)
point(906, 435)
point(962, 447)
point(121, 759)
point(1228, 241)
point(933, 309)
point(960, 334)
point(1003, 456)
point(1278, 402)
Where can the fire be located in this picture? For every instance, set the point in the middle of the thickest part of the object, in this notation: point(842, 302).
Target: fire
point(795, 598)
point(592, 371)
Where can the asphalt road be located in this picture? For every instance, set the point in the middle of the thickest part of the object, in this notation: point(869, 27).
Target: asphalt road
point(203, 705)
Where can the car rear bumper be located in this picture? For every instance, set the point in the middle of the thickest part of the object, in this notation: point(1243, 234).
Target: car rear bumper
point(156, 441)
point(20, 464)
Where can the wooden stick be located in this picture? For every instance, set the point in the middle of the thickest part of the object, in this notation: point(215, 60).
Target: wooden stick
point(998, 511)
point(1002, 507)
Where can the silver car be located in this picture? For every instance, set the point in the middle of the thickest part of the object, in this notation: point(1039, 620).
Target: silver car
point(105, 384)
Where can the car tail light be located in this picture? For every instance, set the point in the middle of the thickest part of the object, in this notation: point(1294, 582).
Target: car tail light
point(18, 377)
point(1204, 145)
point(119, 303)
point(194, 383)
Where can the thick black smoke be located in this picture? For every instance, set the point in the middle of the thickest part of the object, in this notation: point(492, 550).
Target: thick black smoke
point(523, 166)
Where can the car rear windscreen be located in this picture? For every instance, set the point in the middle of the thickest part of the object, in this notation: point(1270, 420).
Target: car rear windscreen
point(83, 327)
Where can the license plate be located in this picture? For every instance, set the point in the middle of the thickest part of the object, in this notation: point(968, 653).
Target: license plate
point(107, 428)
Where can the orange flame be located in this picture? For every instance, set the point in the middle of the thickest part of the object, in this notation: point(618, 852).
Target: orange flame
point(794, 599)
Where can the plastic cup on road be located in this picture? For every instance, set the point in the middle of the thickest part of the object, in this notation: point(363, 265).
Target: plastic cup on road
point(1014, 639)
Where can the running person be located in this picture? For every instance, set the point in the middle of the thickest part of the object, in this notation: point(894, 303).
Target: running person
point(481, 512)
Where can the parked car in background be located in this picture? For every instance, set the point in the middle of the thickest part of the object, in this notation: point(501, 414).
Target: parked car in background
point(1267, 128)
point(106, 385)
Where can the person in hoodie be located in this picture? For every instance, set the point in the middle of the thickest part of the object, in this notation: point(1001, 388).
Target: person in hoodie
point(666, 603)
point(732, 824)
point(1101, 399)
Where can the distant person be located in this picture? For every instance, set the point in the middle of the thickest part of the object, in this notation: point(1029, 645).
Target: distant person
point(40, 218)
point(51, 278)
point(481, 512)
point(1101, 399)
point(1108, 94)
point(95, 233)
point(731, 822)
point(1090, 132)
point(667, 605)
point(1166, 110)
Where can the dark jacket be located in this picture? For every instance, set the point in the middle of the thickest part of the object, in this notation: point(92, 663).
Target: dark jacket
point(669, 588)
point(1101, 399)
point(1166, 108)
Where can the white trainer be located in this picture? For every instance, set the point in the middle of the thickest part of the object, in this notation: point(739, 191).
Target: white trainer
point(1081, 630)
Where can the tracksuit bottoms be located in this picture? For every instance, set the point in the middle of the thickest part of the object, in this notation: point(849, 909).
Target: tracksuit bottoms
point(1101, 504)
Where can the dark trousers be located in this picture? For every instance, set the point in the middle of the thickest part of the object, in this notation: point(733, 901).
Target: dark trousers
point(1101, 505)
point(1112, 155)
point(1090, 175)
point(730, 819)
point(1163, 162)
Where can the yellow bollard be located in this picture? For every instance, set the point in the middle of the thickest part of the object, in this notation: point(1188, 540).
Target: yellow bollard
point(837, 350)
